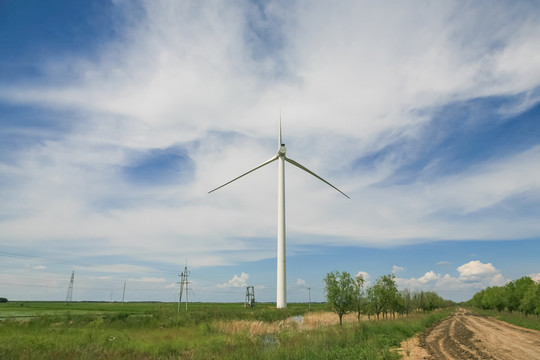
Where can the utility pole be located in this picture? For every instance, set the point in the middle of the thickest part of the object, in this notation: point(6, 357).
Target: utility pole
point(124, 293)
point(309, 297)
point(69, 296)
point(183, 284)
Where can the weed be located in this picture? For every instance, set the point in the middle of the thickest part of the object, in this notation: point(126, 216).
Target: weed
point(207, 331)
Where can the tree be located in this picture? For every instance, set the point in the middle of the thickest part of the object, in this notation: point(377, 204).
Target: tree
point(387, 293)
point(407, 301)
point(340, 293)
point(374, 299)
point(360, 296)
point(383, 296)
point(494, 298)
point(516, 291)
point(530, 303)
point(434, 301)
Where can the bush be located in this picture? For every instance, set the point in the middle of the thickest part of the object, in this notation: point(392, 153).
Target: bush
point(3, 300)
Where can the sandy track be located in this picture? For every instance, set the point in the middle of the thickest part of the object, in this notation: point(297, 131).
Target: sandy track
point(466, 335)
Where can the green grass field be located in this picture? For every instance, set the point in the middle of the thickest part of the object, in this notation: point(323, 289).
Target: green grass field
point(49, 330)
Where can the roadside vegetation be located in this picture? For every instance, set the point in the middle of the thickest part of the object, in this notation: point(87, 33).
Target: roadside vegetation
point(521, 295)
point(346, 294)
point(517, 302)
point(205, 331)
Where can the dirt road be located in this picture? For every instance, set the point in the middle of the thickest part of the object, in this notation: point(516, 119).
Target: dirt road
point(466, 335)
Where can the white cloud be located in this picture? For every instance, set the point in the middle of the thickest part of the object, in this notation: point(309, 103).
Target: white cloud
point(366, 277)
point(39, 267)
point(301, 283)
point(397, 269)
point(473, 275)
point(429, 277)
point(236, 281)
point(149, 89)
point(474, 271)
point(444, 263)
point(535, 277)
point(152, 82)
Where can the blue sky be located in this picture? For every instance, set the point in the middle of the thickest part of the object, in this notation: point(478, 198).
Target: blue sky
point(117, 117)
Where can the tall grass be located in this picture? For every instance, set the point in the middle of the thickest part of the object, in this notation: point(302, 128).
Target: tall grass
point(157, 331)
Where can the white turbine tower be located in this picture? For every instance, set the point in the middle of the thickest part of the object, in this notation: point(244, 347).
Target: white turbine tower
point(281, 300)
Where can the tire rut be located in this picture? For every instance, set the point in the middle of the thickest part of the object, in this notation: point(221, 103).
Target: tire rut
point(466, 335)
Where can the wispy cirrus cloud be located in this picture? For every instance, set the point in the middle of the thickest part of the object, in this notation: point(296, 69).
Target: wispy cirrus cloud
point(123, 140)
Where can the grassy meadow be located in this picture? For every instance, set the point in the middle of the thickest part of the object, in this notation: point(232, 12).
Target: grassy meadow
point(54, 330)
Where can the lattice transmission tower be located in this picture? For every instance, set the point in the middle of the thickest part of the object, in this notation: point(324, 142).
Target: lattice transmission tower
point(183, 284)
point(69, 296)
point(250, 297)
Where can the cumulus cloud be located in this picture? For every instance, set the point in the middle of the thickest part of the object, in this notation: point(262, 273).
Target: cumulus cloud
point(301, 283)
point(475, 271)
point(366, 277)
point(535, 277)
point(236, 281)
point(472, 275)
point(397, 269)
point(429, 277)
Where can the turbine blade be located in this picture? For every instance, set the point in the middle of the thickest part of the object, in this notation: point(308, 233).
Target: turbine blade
point(312, 173)
point(280, 141)
point(244, 174)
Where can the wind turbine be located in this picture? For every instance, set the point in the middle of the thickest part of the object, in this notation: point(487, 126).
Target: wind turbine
point(281, 299)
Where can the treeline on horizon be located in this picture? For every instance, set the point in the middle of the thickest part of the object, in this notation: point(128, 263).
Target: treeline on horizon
point(345, 294)
point(521, 295)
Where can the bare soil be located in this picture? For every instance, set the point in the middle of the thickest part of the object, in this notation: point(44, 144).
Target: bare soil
point(466, 335)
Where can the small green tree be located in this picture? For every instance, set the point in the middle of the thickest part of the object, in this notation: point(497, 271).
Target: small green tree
point(340, 293)
point(530, 303)
point(360, 296)
point(385, 294)
point(407, 301)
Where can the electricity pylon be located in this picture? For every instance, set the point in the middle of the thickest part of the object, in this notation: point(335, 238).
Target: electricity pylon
point(69, 296)
point(250, 297)
point(183, 284)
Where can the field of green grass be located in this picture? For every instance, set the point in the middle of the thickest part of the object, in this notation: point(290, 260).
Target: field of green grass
point(48, 330)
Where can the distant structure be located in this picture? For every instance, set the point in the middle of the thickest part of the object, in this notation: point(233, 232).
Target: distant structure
point(309, 297)
point(183, 284)
point(250, 297)
point(69, 296)
point(281, 158)
point(124, 293)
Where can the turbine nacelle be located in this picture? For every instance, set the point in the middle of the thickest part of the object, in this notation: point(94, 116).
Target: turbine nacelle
point(282, 150)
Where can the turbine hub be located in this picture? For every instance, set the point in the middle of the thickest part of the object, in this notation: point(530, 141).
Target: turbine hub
point(282, 150)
